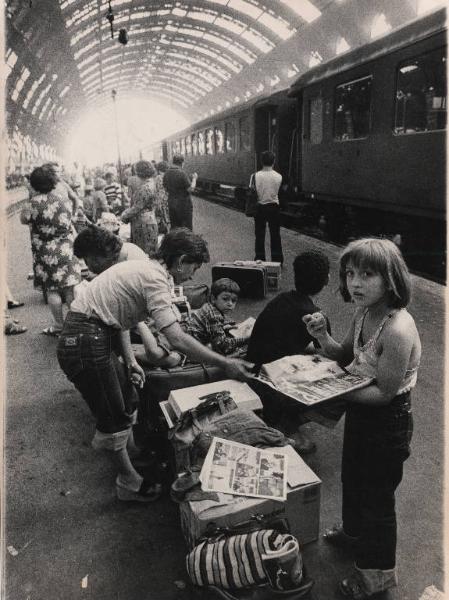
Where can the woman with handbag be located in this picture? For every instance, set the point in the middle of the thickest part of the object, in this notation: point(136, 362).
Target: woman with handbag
point(96, 331)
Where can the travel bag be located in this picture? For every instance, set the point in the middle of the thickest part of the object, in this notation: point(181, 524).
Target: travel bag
point(258, 556)
point(159, 382)
point(252, 279)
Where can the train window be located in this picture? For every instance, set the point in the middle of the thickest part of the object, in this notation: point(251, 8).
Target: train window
point(219, 143)
point(316, 120)
point(188, 145)
point(245, 143)
point(194, 139)
point(352, 109)
point(230, 137)
point(209, 141)
point(421, 93)
point(182, 146)
point(201, 145)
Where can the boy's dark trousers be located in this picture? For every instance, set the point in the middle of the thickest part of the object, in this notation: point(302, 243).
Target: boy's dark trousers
point(376, 444)
point(268, 213)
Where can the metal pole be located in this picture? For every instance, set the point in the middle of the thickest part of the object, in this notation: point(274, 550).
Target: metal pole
point(114, 94)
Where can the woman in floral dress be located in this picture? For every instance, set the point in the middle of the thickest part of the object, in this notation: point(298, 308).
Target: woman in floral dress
point(56, 269)
point(141, 214)
point(162, 214)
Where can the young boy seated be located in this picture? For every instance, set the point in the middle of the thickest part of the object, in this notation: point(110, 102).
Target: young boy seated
point(279, 331)
point(209, 325)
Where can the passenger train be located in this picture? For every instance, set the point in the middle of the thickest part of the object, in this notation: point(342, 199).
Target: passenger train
point(360, 142)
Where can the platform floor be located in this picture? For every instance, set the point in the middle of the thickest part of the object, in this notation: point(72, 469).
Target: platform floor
point(62, 516)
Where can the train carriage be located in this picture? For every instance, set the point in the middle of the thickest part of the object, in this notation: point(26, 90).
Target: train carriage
point(360, 142)
point(373, 149)
point(224, 149)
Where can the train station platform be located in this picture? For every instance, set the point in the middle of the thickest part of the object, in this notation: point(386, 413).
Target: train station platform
point(66, 535)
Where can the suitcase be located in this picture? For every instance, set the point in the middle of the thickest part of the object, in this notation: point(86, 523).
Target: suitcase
point(252, 279)
point(272, 269)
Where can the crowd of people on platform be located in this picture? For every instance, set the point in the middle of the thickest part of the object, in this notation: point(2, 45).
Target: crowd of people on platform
point(130, 287)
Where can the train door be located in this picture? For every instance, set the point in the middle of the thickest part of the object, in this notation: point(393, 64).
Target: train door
point(265, 137)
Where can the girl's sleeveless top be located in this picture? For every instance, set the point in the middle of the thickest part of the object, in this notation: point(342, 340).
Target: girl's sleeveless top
point(366, 359)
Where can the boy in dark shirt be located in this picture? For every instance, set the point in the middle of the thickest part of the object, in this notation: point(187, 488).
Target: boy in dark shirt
point(279, 331)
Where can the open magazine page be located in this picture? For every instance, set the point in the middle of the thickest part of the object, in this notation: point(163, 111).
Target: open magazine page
point(243, 329)
point(310, 378)
point(234, 468)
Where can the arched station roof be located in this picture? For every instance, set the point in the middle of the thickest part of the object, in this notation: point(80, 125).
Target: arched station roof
point(200, 56)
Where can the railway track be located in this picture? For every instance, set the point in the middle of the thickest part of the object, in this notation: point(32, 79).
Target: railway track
point(292, 220)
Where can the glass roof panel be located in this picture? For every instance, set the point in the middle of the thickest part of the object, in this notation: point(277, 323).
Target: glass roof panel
point(379, 26)
point(304, 9)
point(428, 5)
point(341, 46)
point(205, 16)
point(278, 26)
point(246, 8)
point(230, 25)
point(261, 43)
point(191, 31)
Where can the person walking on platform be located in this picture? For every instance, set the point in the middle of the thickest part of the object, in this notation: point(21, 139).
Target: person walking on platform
point(96, 331)
point(267, 183)
point(179, 185)
point(55, 268)
point(141, 214)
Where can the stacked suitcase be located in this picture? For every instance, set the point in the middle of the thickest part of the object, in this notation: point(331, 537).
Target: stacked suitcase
point(254, 277)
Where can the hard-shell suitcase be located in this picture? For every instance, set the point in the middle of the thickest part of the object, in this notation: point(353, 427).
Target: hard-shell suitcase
point(252, 279)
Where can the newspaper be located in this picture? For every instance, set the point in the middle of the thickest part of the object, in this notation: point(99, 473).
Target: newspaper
point(243, 329)
point(310, 378)
point(234, 468)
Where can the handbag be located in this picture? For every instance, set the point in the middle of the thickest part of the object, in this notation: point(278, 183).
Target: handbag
point(251, 200)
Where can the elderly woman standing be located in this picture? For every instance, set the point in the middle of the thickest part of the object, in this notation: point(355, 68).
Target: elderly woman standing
point(141, 214)
point(56, 269)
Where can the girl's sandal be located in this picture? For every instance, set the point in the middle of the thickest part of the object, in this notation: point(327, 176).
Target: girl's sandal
point(148, 492)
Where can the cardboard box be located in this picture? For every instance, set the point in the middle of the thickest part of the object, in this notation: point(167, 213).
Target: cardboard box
point(302, 508)
point(185, 399)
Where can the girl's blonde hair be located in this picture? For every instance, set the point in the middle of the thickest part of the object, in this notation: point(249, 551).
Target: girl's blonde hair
point(383, 257)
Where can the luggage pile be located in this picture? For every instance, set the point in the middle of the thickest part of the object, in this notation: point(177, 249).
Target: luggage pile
point(239, 546)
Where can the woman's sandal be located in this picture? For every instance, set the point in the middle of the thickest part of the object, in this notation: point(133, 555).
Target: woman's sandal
point(52, 332)
point(13, 328)
point(15, 304)
point(148, 492)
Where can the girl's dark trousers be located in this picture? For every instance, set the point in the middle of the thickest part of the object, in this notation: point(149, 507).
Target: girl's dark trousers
point(376, 444)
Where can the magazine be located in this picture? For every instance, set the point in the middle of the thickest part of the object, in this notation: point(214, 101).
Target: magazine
point(310, 378)
point(234, 468)
point(243, 329)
